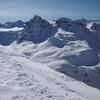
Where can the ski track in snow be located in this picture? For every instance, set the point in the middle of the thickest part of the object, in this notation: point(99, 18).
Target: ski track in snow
point(22, 79)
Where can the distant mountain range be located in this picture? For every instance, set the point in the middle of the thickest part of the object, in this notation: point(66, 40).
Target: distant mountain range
point(68, 46)
point(18, 23)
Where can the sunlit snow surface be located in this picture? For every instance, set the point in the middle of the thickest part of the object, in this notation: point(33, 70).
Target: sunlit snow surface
point(10, 29)
point(23, 79)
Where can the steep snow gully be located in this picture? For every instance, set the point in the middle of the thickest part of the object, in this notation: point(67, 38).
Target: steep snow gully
point(50, 60)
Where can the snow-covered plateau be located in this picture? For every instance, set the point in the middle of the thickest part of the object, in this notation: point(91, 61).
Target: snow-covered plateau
point(50, 60)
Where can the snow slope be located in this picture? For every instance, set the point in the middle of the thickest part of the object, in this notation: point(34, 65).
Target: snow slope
point(23, 79)
point(7, 36)
point(66, 53)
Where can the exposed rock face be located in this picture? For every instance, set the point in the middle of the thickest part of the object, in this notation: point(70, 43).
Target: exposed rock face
point(82, 20)
point(76, 27)
point(81, 32)
point(6, 38)
point(37, 30)
point(1, 25)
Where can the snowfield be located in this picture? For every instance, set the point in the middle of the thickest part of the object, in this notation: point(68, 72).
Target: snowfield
point(23, 79)
point(10, 29)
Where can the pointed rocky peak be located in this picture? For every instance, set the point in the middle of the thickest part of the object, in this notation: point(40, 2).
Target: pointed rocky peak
point(38, 30)
point(37, 20)
point(36, 24)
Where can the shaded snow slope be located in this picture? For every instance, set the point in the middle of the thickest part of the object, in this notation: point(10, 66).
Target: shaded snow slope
point(7, 36)
point(23, 79)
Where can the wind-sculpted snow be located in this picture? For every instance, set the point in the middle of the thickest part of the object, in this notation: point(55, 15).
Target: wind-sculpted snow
point(75, 58)
point(68, 46)
point(23, 79)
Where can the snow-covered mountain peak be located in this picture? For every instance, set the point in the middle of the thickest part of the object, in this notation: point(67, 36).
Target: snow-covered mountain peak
point(35, 24)
point(36, 18)
point(37, 30)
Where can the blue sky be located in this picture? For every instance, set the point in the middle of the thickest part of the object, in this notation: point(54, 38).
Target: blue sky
point(11, 10)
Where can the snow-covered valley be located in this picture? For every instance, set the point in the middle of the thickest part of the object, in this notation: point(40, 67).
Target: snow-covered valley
point(50, 60)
